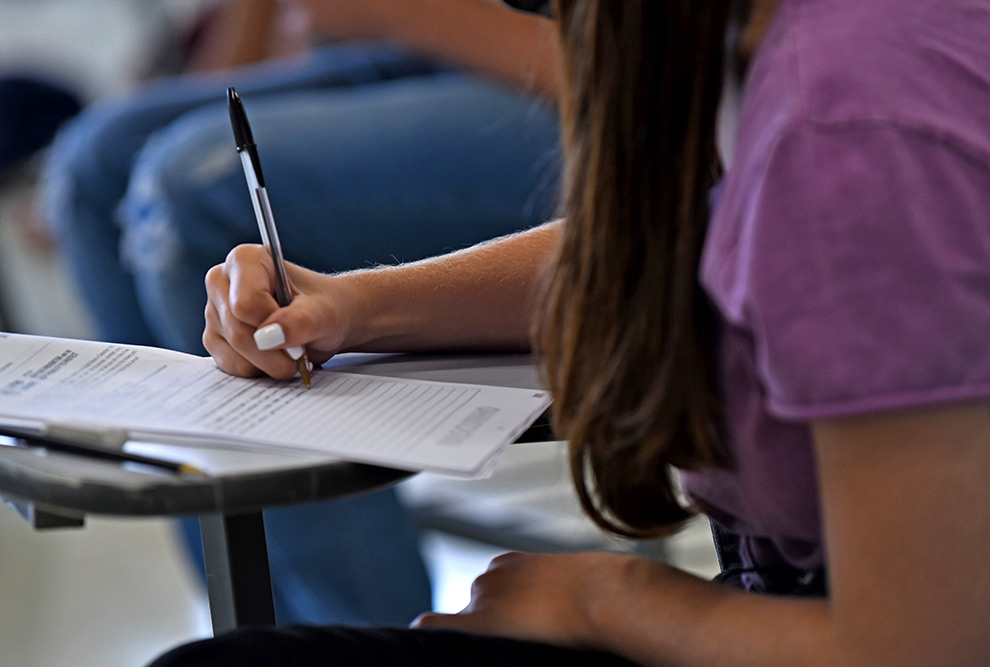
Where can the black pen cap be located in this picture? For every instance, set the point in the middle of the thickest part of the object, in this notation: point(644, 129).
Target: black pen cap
point(238, 120)
point(243, 137)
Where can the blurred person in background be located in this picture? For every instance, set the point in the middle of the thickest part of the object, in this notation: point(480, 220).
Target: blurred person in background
point(412, 128)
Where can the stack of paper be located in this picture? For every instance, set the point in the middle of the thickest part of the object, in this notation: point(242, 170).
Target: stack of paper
point(160, 395)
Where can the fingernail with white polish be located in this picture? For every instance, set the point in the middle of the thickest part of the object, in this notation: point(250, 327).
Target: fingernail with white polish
point(270, 336)
point(294, 352)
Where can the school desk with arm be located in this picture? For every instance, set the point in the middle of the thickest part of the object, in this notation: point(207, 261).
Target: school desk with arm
point(54, 489)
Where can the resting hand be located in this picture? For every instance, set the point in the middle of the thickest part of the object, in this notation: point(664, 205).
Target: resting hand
point(548, 598)
point(241, 301)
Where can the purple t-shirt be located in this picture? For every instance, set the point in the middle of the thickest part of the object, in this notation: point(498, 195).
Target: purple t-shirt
point(849, 251)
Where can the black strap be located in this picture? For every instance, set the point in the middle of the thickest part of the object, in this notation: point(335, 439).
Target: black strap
point(781, 579)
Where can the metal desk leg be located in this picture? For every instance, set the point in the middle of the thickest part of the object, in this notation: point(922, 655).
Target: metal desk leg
point(237, 577)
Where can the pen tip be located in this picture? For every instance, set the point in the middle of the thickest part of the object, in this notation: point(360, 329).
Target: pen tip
point(304, 371)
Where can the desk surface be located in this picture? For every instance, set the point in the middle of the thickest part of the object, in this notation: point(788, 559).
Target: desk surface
point(236, 481)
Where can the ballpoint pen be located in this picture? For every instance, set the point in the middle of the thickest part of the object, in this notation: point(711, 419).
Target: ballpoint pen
point(248, 152)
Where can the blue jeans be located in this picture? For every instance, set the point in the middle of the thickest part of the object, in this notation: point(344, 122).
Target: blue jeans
point(370, 156)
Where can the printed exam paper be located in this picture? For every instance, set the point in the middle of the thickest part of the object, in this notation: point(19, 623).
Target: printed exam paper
point(155, 393)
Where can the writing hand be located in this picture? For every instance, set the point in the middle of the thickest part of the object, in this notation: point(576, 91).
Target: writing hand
point(240, 301)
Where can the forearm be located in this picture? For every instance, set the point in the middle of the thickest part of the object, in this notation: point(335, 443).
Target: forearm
point(242, 32)
point(483, 35)
point(668, 617)
point(479, 298)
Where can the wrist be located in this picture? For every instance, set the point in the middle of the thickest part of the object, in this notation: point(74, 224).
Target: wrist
point(615, 615)
point(371, 311)
point(606, 596)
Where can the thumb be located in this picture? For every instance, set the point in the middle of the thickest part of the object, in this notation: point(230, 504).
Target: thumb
point(285, 327)
point(299, 325)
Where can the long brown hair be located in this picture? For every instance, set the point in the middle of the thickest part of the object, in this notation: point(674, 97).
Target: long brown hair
point(627, 337)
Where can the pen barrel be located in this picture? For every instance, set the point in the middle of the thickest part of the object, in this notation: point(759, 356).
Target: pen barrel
point(266, 227)
point(283, 289)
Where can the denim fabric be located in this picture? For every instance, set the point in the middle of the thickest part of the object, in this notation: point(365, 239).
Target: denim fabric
point(370, 156)
point(89, 166)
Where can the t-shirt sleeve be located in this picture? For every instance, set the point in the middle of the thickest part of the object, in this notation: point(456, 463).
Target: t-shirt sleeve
point(866, 277)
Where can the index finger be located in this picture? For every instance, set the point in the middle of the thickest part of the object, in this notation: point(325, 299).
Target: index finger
point(251, 273)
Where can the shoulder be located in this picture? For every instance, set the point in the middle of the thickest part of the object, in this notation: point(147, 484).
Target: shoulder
point(919, 65)
point(857, 206)
point(856, 107)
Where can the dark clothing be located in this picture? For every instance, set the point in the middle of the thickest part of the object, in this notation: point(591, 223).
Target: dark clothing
point(31, 110)
point(302, 646)
point(779, 579)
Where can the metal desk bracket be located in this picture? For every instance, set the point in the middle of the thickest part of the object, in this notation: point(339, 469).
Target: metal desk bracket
point(42, 518)
point(236, 556)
